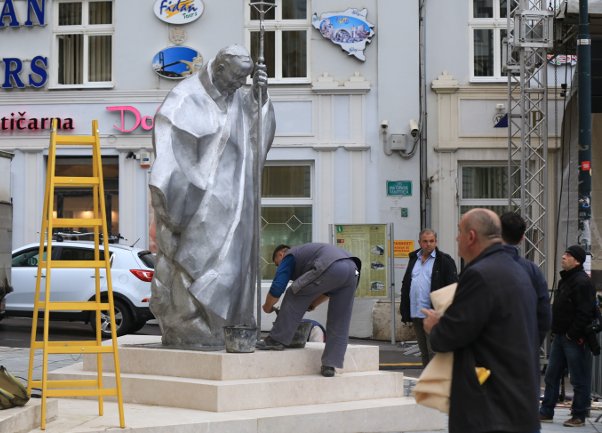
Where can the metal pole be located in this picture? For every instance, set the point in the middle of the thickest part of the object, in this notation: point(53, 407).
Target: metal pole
point(261, 7)
point(392, 277)
point(585, 127)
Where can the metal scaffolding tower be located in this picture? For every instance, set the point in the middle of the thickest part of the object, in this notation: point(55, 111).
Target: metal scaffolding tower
point(529, 38)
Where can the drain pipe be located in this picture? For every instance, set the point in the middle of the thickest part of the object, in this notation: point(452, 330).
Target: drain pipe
point(584, 50)
point(425, 187)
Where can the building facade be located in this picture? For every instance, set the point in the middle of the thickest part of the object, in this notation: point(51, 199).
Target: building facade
point(386, 116)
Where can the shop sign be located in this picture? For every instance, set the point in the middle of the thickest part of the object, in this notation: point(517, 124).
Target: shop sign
point(20, 121)
point(16, 76)
point(177, 62)
point(131, 117)
point(8, 15)
point(348, 29)
point(178, 11)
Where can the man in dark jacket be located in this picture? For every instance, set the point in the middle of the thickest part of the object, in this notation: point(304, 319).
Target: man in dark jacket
point(491, 323)
point(572, 312)
point(513, 232)
point(320, 272)
point(428, 270)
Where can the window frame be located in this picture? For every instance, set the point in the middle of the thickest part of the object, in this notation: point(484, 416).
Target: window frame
point(293, 201)
point(86, 30)
point(479, 202)
point(496, 24)
point(278, 26)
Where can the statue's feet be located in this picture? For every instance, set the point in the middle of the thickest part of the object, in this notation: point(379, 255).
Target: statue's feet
point(268, 343)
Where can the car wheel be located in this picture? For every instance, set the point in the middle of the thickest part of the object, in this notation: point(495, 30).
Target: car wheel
point(123, 320)
point(137, 326)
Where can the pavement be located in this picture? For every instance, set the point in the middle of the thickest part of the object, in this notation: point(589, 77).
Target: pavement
point(403, 357)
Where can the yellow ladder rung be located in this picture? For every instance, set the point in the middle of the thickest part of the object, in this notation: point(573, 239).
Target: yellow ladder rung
point(74, 181)
point(77, 222)
point(82, 349)
point(66, 383)
point(73, 306)
point(75, 264)
point(75, 139)
point(40, 344)
point(81, 392)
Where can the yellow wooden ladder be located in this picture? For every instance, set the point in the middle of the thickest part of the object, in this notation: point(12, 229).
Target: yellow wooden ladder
point(98, 222)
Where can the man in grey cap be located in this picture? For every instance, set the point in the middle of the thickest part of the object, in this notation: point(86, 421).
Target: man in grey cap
point(320, 272)
point(572, 313)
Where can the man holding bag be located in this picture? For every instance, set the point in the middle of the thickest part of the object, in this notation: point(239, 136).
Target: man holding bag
point(491, 323)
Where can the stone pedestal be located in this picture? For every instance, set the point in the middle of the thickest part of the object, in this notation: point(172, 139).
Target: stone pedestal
point(274, 391)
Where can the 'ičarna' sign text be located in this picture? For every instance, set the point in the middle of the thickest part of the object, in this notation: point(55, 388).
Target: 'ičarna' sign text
point(21, 122)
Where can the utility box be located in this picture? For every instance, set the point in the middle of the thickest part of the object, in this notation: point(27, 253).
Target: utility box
point(6, 225)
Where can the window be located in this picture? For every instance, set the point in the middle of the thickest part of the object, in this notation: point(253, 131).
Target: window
point(83, 43)
point(286, 39)
point(488, 27)
point(484, 186)
point(286, 210)
point(77, 202)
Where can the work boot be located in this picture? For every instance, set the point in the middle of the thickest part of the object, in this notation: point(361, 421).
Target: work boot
point(327, 371)
point(268, 343)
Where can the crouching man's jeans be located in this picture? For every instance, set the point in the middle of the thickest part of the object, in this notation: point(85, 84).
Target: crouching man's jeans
point(565, 353)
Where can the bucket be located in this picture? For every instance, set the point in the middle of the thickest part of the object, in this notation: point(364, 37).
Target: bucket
point(301, 335)
point(240, 338)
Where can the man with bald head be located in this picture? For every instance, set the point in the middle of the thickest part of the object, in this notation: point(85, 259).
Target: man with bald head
point(491, 323)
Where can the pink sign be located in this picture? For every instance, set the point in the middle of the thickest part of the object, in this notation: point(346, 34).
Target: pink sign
point(129, 113)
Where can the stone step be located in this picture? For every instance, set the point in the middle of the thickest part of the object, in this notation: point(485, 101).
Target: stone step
point(139, 354)
point(26, 418)
point(366, 416)
point(245, 394)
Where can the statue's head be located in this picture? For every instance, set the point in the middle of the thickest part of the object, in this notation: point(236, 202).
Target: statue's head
point(230, 69)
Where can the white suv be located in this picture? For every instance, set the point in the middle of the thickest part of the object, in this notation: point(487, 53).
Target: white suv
point(131, 270)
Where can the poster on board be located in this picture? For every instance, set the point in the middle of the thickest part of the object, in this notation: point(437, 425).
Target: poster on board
point(368, 242)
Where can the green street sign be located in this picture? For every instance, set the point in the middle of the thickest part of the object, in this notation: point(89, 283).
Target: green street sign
point(401, 188)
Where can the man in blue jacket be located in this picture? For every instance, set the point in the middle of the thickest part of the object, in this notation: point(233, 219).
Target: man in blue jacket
point(491, 323)
point(428, 270)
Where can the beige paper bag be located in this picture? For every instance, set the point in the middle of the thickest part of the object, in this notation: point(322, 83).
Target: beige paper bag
point(434, 384)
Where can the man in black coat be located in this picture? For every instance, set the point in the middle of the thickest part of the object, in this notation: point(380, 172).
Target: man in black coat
point(572, 312)
point(513, 232)
point(491, 323)
point(428, 270)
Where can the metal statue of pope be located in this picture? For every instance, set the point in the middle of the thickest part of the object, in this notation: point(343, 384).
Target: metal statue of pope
point(202, 191)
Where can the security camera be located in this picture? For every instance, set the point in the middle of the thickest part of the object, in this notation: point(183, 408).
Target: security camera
point(384, 124)
point(413, 128)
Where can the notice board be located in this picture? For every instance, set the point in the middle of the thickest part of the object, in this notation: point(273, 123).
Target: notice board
point(370, 243)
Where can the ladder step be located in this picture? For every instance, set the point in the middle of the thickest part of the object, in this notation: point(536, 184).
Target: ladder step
point(75, 181)
point(74, 349)
point(74, 264)
point(74, 140)
point(91, 343)
point(76, 222)
point(65, 383)
point(74, 306)
point(81, 392)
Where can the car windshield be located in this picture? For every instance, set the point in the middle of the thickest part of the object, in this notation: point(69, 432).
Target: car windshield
point(147, 258)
